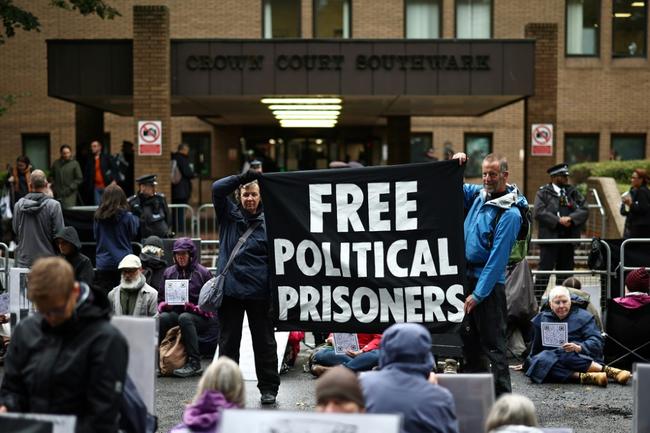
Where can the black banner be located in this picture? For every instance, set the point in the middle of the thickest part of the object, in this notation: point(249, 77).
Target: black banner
point(356, 250)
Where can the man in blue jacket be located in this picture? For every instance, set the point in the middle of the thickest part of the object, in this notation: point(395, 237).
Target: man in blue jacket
point(246, 288)
point(402, 383)
point(491, 227)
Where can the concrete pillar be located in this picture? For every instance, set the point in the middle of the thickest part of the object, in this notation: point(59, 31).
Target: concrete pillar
point(542, 107)
point(398, 138)
point(152, 88)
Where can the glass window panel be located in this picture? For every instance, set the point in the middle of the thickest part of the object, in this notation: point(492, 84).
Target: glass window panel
point(477, 147)
point(582, 27)
point(629, 28)
point(473, 19)
point(200, 156)
point(580, 148)
point(421, 144)
point(282, 19)
point(37, 148)
point(332, 18)
point(422, 19)
point(626, 147)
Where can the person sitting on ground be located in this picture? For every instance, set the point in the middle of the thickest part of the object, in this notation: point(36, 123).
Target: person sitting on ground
point(637, 286)
point(189, 317)
point(578, 296)
point(338, 391)
point(402, 384)
point(578, 359)
point(133, 297)
point(67, 358)
point(512, 413)
point(364, 359)
point(67, 239)
point(221, 387)
point(153, 263)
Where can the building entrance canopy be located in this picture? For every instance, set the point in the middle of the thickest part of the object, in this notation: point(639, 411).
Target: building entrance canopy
point(223, 81)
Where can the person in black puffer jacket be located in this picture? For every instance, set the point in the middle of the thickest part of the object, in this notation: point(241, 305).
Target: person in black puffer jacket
point(69, 245)
point(67, 359)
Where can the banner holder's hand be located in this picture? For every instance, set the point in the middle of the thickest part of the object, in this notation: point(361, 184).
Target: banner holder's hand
point(461, 157)
point(470, 304)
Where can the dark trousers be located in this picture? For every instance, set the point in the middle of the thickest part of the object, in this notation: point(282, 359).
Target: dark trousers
point(558, 257)
point(484, 338)
point(231, 317)
point(191, 325)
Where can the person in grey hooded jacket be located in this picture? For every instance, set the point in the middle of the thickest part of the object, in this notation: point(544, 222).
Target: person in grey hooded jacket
point(401, 385)
point(37, 218)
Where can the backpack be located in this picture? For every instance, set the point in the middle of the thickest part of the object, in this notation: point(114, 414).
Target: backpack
point(520, 247)
point(134, 416)
point(177, 176)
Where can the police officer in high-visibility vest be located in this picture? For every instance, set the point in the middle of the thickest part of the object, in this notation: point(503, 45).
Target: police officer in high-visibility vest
point(151, 207)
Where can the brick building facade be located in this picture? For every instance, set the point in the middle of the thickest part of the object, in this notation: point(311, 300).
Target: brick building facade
point(601, 97)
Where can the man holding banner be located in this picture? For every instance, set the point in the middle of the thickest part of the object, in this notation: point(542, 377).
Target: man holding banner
point(491, 227)
point(242, 231)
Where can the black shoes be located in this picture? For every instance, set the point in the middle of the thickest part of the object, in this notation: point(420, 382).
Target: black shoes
point(188, 370)
point(267, 398)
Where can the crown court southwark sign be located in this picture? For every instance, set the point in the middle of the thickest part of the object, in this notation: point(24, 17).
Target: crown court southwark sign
point(486, 68)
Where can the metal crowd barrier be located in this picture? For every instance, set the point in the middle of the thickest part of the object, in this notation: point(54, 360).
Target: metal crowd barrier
point(598, 209)
point(183, 220)
point(210, 254)
point(206, 219)
point(603, 276)
point(622, 267)
point(5, 267)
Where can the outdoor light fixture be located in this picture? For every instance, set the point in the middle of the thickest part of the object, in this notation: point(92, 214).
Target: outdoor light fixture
point(637, 4)
point(305, 112)
point(307, 123)
point(623, 15)
point(301, 101)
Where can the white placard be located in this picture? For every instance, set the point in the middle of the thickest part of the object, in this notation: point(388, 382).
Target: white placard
point(177, 292)
point(344, 342)
point(142, 337)
point(19, 306)
point(281, 421)
point(554, 334)
point(60, 423)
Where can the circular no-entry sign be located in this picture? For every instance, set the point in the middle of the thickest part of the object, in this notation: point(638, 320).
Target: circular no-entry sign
point(149, 132)
point(542, 135)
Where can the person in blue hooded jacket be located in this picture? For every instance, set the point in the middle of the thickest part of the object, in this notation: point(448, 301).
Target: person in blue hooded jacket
point(491, 227)
point(246, 287)
point(402, 385)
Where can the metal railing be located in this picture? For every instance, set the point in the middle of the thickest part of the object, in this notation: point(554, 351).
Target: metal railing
point(183, 220)
point(605, 289)
point(622, 268)
point(206, 222)
point(5, 267)
point(596, 209)
point(210, 254)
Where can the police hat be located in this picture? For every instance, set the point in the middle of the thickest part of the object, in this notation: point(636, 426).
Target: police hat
point(147, 179)
point(559, 170)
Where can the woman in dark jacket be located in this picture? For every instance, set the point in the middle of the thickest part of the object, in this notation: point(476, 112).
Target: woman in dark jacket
point(114, 229)
point(636, 206)
point(580, 357)
point(153, 264)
